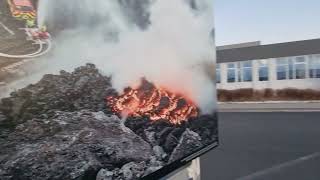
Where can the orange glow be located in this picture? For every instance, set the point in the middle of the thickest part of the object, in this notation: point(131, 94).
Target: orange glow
point(154, 102)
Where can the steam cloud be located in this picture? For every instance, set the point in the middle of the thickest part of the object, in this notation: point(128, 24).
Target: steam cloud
point(167, 41)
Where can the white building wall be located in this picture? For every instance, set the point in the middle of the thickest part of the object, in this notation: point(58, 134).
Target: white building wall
point(223, 71)
point(273, 83)
point(273, 70)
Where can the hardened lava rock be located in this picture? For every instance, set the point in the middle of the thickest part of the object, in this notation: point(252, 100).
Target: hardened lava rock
point(71, 145)
point(85, 88)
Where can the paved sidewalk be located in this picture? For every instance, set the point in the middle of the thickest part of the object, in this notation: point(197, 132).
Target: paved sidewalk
point(295, 106)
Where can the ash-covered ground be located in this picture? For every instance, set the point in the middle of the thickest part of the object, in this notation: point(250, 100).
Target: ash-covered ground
point(62, 128)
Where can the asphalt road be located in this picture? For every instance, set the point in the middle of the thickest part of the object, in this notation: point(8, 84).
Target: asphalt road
point(265, 145)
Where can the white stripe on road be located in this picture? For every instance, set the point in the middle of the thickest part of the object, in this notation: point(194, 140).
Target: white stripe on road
point(280, 166)
point(7, 29)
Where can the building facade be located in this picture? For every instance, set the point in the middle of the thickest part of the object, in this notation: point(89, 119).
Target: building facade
point(275, 66)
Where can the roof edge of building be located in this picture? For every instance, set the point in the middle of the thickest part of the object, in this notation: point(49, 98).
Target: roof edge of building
point(285, 49)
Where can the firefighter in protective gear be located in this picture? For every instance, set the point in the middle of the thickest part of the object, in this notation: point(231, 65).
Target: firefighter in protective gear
point(30, 23)
point(43, 28)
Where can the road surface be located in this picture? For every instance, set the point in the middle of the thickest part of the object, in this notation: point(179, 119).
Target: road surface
point(265, 145)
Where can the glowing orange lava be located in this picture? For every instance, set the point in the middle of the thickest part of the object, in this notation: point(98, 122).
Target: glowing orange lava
point(154, 102)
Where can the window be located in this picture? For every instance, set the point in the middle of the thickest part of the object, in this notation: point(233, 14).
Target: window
point(240, 71)
point(300, 67)
point(314, 66)
point(285, 68)
point(218, 76)
point(291, 68)
point(263, 70)
point(245, 74)
point(232, 72)
point(282, 66)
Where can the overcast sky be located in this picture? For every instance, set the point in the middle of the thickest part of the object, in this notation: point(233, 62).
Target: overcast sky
point(270, 21)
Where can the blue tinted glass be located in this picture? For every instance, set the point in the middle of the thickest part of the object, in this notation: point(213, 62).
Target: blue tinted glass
point(263, 63)
point(247, 74)
point(231, 75)
point(317, 73)
point(263, 73)
point(231, 65)
point(300, 59)
point(291, 69)
point(300, 71)
point(281, 72)
point(247, 64)
point(239, 75)
point(312, 73)
point(282, 61)
point(314, 68)
point(218, 78)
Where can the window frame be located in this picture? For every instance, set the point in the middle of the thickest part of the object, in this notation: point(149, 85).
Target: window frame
point(296, 63)
point(283, 63)
point(263, 64)
point(314, 66)
point(243, 67)
point(234, 69)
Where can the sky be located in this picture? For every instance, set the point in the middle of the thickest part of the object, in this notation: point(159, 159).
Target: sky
point(268, 21)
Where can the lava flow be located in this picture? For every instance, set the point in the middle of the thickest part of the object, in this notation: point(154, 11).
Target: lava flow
point(154, 102)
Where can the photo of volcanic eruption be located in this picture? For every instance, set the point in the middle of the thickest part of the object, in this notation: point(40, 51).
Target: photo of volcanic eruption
point(72, 123)
point(119, 95)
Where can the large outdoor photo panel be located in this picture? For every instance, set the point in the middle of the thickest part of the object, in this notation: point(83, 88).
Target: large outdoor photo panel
point(105, 89)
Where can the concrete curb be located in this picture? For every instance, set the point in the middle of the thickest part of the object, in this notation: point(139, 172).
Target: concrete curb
point(269, 102)
point(283, 106)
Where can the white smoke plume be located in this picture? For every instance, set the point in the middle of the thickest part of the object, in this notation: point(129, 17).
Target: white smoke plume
point(170, 49)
